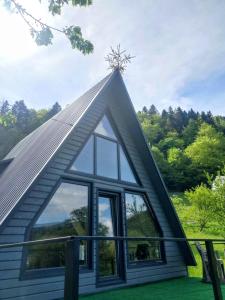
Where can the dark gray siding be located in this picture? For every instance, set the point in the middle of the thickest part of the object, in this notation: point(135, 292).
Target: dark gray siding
point(16, 225)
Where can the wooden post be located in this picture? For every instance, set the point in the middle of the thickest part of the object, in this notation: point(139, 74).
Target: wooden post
point(71, 284)
point(213, 270)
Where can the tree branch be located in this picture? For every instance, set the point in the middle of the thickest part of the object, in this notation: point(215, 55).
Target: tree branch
point(42, 32)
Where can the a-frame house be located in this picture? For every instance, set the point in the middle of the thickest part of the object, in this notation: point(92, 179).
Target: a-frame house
point(87, 171)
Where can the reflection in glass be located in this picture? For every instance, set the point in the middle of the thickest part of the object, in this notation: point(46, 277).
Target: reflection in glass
point(140, 223)
point(85, 160)
point(125, 169)
point(107, 163)
point(106, 227)
point(66, 214)
point(104, 128)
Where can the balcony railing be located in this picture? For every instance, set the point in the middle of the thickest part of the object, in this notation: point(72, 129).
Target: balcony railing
point(72, 248)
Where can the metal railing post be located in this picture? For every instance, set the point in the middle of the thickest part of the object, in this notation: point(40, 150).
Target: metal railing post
point(71, 285)
point(213, 272)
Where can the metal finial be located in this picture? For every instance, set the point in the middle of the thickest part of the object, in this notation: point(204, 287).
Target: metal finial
point(117, 59)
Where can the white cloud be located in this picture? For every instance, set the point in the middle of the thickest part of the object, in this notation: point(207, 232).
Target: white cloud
point(175, 42)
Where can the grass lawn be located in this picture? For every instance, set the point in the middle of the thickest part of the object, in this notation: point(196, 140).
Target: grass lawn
point(175, 289)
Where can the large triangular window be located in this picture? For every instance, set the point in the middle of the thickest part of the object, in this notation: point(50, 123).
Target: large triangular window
point(103, 155)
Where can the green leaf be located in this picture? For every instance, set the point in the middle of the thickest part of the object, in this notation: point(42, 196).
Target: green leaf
point(77, 42)
point(81, 2)
point(43, 37)
point(56, 5)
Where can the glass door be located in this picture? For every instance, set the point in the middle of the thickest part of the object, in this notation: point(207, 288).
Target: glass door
point(110, 253)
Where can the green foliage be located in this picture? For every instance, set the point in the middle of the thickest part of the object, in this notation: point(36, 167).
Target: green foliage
point(77, 42)
point(42, 33)
point(185, 145)
point(55, 6)
point(7, 120)
point(190, 132)
point(201, 200)
point(169, 141)
point(17, 121)
point(212, 230)
point(207, 204)
point(43, 37)
point(208, 150)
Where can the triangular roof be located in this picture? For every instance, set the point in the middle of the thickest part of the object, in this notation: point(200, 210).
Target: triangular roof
point(31, 155)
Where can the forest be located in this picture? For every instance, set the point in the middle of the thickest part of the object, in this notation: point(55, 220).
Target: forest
point(186, 145)
point(17, 121)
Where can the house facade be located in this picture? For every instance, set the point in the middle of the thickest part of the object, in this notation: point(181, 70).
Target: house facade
point(87, 171)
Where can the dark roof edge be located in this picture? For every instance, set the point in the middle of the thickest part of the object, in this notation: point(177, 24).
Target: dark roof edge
point(161, 189)
point(111, 76)
point(6, 161)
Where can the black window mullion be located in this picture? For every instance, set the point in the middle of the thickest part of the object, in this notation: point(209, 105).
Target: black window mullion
point(95, 154)
point(118, 161)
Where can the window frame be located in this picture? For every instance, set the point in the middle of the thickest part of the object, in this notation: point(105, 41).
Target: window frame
point(99, 136)
point(119, 142)
point(26, 274)
point(146, 263)
point(111, 280)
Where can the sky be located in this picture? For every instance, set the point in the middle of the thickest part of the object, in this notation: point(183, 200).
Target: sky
point(179, 49)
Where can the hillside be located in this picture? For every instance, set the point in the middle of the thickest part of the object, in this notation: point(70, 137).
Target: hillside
point(185, 144)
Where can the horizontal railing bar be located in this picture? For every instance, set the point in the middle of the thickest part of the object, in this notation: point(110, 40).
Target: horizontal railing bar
point(107, 238)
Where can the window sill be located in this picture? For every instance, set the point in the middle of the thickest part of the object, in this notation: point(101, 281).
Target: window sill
point(103, 178)
point(143, 264)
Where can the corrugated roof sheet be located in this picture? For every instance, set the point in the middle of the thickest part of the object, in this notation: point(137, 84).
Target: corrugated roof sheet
point(32, 153)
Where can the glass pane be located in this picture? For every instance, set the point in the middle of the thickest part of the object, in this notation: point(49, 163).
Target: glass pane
point(106, 227)
point(85, 160)
point(140, 223)
point(104, 128)
point(66, 214)
point(125, 169)
point(107, 162)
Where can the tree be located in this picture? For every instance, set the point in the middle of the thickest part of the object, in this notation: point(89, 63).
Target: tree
point(4, 109)
point(179, 119)
point(152, 130)
point(208, 203)
point(21, 112)
point(160, 159)
point(54, 110)
point(201, 200)
point(192, 114)
point(190, 131)
point(7, 120)
point(42, 32)
point(219, 123)
point(182, 175)
point(172, 139)
point(153, 110)
point(208, 150)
